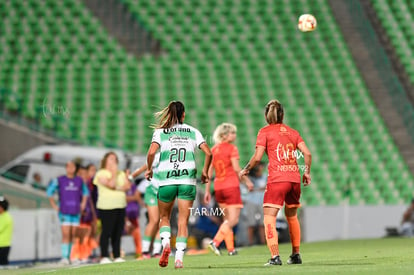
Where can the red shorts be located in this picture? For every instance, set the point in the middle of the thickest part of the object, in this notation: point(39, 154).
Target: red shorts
point(229, 197)
point(282, 192)
point(134, 222)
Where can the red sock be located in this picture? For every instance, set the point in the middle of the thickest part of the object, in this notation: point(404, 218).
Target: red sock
point(221, 233)
point(294, 231)
point(229, 240)
point(271, 235)
point(74, 253)
point(136, 234)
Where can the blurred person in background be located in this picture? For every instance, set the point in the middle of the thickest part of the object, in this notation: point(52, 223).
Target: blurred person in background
point(254, 205)
point(112, 184)
point(82, 248)
point(206, 226)
point(6, 231)
point(134, 201)
point(177, 143)
point(73, 194)
point(280, 142)
point(225, 163)
point(407, 223)
point(151, 233)
point(37, 182)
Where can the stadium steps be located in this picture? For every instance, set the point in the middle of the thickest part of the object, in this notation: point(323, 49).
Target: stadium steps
point(374, 67)
point(225, 60)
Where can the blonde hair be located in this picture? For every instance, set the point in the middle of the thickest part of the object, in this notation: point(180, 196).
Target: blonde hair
point(223, 130)
point(274, 112)
point(170, 115)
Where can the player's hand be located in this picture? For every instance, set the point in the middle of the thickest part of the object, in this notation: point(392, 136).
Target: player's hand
point(306, 179)
point(148, 174)
point(204, 177)
point(207, 197)
point(243, 172)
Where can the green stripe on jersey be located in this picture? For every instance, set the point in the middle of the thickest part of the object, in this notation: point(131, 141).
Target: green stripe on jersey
point(178, 133)
point(177, 174)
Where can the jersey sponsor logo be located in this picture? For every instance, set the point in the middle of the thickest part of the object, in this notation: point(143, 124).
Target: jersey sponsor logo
point(172, 130)
point(177, 173)
point(287, 153)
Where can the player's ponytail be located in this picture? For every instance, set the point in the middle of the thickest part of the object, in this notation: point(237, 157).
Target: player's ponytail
point(274, 112)
point(170, 115)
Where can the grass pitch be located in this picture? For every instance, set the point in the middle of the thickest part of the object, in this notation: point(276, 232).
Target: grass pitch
point(374, 256)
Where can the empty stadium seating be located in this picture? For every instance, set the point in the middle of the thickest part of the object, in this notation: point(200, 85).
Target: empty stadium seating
point(225, 60)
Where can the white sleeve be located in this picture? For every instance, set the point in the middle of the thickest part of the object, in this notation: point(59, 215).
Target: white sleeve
point(199, 138)
point(156, 137)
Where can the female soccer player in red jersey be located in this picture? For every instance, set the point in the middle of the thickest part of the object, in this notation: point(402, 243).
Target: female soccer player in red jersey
point(280, 142)
point(226, 185)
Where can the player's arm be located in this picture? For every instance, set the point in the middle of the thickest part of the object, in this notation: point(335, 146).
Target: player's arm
point(150, 159)
point(139, 171)
point(207, 162)
point(256, 158)
point(207, 194)
point(85, 195)
point(51, 189)
point(308, 162)
point(244, 178)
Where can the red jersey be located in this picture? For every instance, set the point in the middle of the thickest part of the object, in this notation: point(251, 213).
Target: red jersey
point(281, 144)
point(225, 175)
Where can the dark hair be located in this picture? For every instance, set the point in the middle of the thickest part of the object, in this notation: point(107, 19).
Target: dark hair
point(105, 158)
point(90, 165)
point(255, 169)
point(170, 115)
point(4, 203)
point(274, 112)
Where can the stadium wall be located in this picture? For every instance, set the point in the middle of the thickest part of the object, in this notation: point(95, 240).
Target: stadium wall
point(349, 222)
point(37, 235)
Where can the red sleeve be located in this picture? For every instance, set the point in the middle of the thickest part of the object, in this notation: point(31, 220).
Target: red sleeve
point(261, 139)
point(234, 153)
point(298, 138)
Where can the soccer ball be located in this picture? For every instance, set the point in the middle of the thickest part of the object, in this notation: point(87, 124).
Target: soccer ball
point(307, 23)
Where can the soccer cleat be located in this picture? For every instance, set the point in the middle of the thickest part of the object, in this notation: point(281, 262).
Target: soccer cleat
point(119, 260)
point(64, 261)
point(156, 255)
point(178, 264)
point(164, 257)
point(294, 259)
point(214, 248)
point(233, 253)
point(274, 261)
point(105, 260)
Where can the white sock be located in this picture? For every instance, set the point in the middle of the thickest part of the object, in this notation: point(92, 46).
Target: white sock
point(146, 243)
point(156, 246)
point(180, 245)
point(165, 234)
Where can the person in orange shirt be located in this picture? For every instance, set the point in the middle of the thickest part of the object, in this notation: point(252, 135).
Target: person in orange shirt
point(226, 185)
point(280, 142)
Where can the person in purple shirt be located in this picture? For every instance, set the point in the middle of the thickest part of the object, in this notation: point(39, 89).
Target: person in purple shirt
point(133, 197)
point(72, 197)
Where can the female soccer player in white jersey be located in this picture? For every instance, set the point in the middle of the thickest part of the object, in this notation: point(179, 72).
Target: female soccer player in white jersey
point(176, 175)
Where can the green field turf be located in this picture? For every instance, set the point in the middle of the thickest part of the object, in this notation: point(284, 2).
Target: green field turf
point(374, 256)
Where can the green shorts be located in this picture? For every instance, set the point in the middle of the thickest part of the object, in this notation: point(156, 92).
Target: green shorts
point(168, 193)
point(150, 196)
